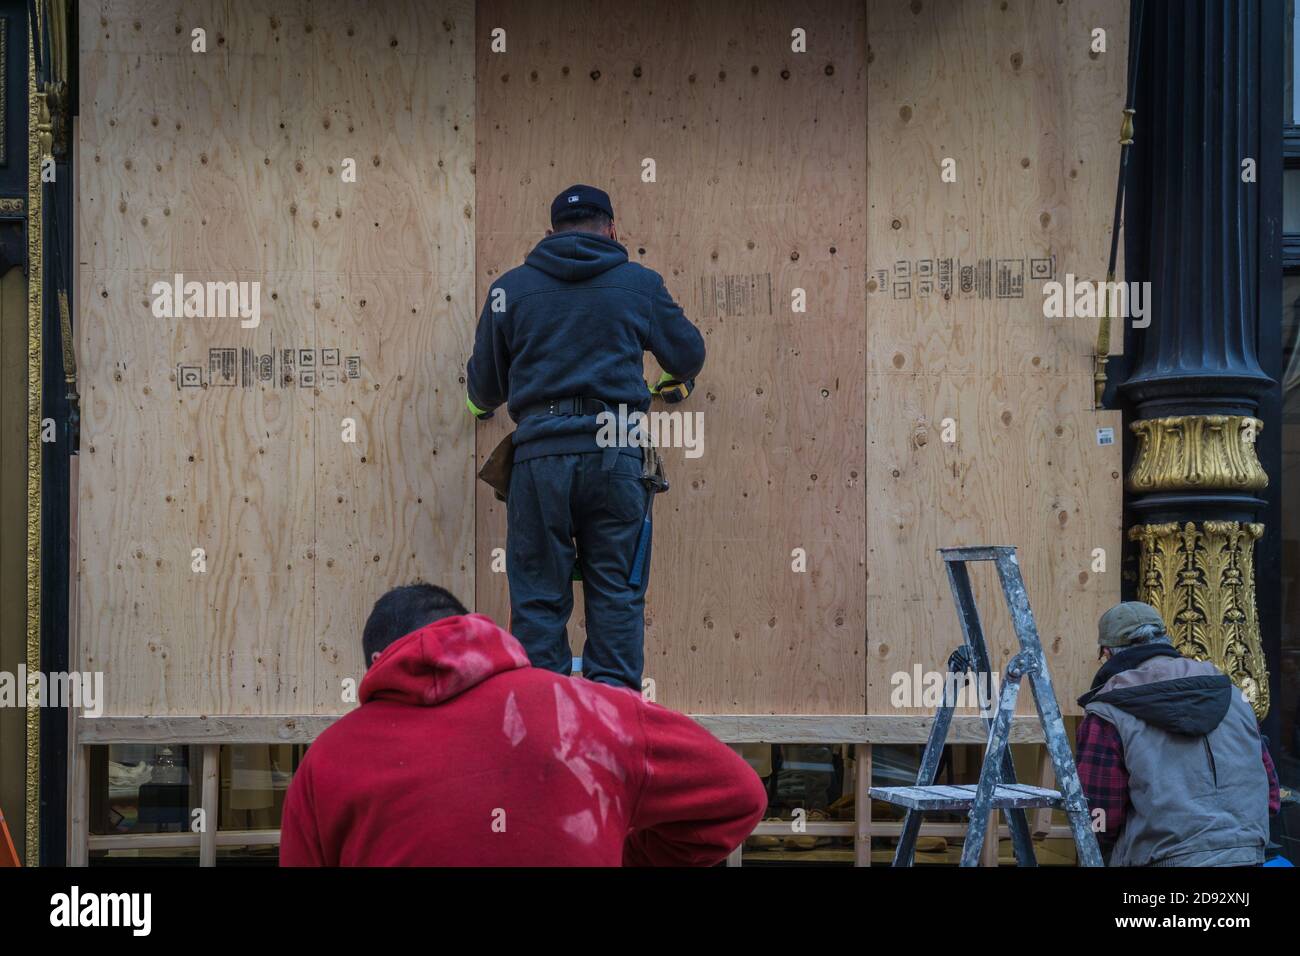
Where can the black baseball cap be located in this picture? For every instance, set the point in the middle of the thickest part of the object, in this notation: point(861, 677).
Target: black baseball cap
point(579, 202)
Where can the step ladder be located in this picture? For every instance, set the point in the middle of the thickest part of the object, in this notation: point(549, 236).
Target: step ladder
point(997, 788)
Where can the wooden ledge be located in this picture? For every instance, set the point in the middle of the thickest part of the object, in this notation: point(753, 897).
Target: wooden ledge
point(729, 728)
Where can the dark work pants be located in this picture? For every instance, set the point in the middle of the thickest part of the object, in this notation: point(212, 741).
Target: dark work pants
point(563, 507)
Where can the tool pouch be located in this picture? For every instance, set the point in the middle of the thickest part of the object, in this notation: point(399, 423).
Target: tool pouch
point(496, 470)
point(652, 469)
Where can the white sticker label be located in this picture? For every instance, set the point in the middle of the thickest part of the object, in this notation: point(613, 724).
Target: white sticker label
point(1105, 436)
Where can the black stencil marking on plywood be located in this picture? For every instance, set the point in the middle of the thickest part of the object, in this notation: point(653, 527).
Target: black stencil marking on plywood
point(999, 277)
point(943, 277)
point(222, 367)
point(229, 367)
point(736, 295)
point(1011, 278)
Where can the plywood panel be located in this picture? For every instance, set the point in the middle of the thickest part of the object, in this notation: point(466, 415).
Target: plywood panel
point(821, 429)
point(1024, 470)
point(226, 166)
point(1011, 94)
point(760, 163)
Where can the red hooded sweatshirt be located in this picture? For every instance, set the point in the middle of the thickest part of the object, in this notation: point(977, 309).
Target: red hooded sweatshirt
point(461, 754)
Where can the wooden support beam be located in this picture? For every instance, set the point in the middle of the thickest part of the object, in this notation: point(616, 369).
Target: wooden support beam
point(201, 729)
point(862, 805)
point(729, 728)
point(153, 841)
point(854, 729)
point(78, 805)
point(144, 841)
point(209, 804)
point(78, 809)
point(893, 829)
point(989, 852)
point(1041, 820)
point(843, 828)
point(736, 857)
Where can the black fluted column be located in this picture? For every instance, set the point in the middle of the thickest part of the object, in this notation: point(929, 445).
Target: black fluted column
point(1195, 385)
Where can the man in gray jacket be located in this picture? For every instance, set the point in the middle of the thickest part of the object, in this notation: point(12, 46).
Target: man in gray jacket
point(1170, 753)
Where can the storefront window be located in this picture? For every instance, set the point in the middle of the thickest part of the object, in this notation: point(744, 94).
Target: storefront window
point(254, 781)
point(146, 802)
point(143, 789)
point(1291, 200)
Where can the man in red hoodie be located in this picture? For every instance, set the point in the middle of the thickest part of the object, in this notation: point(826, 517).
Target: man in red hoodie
point(462, 754)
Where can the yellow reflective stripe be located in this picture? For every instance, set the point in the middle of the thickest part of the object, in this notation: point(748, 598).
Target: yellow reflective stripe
point(474, 409)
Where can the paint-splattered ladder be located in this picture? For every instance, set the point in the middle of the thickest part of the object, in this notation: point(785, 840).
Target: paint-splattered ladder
point(997, 788)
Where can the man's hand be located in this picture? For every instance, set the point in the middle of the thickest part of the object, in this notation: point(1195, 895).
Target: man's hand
point(673, 389)
point(477, 412)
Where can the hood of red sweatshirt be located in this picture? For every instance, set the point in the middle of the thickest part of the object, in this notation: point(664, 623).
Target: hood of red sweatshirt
point(437, 662)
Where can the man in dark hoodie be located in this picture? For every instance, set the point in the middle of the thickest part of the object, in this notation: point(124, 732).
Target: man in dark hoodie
point(561, 339)
point(1169, 751)
point(461, 754)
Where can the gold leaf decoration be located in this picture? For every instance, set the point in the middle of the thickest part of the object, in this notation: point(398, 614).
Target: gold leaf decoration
point(1202, 581)
point(1197, 453)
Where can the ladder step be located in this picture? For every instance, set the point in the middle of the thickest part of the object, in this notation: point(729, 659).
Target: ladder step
point(962, 797)
point(984, 553)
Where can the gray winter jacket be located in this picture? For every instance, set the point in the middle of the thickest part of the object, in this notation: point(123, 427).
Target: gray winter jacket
point(1197, 784)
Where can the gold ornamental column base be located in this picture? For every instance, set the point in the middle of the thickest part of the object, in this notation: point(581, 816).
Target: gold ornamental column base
point(1201, 578)
point(1196, 453)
